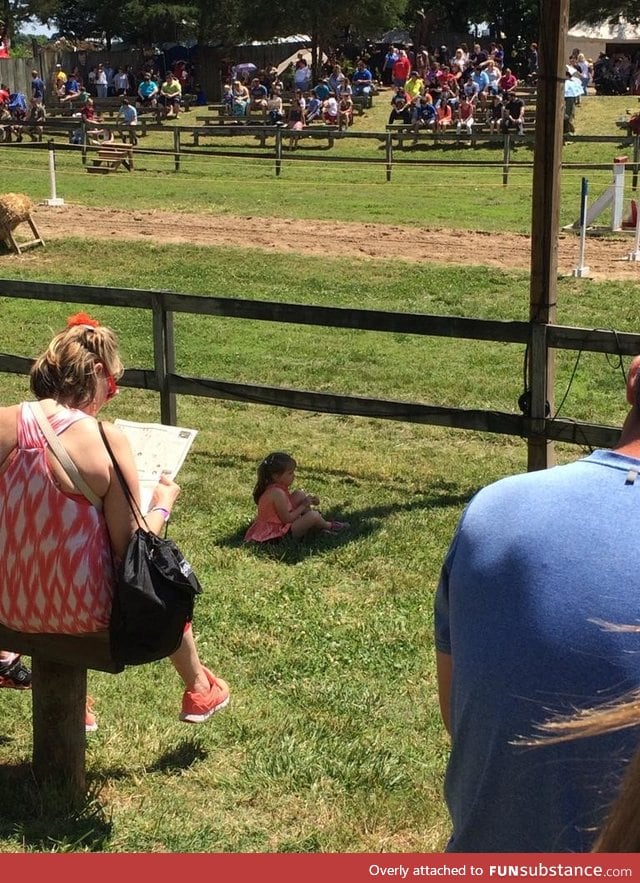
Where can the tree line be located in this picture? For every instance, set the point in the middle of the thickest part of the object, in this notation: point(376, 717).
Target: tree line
point(329, 22)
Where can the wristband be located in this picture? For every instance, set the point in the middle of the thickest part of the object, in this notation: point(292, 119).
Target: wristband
point(165, 512)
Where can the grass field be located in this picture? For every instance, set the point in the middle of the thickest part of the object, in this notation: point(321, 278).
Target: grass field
point(333, 741)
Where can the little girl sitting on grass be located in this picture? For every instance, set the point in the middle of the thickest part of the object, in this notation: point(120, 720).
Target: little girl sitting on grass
point(281, 511)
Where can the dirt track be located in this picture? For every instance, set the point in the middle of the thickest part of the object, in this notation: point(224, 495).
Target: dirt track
point(605, 258)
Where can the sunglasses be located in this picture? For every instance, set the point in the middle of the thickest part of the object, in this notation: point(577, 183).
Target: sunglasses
point(112, 388)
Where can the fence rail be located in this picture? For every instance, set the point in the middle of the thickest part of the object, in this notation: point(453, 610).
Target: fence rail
point(163, 379)
point(392, 154)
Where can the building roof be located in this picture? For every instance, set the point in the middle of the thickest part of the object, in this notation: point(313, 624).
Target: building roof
point(618, 32)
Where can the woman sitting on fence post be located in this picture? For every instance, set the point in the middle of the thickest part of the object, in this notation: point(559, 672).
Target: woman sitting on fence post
point(58, 551)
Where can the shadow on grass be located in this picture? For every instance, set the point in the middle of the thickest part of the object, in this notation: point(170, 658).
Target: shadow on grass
point(180, 757)
point(363, 523)
point(42, 820)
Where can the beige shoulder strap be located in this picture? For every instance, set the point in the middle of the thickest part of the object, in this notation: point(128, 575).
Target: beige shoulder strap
point(62, 456)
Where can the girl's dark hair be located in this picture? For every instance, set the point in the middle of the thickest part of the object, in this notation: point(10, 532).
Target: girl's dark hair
point(271, 467)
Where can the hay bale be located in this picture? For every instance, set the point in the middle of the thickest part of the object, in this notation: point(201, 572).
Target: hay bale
point(14, 209)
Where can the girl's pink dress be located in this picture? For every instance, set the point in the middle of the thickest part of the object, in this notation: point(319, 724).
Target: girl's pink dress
point(267, 525)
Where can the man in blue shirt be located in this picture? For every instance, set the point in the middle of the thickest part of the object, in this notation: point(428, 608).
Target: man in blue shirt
point(539, 565)
point(362, 80)
point(37, 86)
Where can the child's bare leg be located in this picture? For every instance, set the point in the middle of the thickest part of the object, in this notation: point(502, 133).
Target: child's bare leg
point(298, 497)
point(311, 520)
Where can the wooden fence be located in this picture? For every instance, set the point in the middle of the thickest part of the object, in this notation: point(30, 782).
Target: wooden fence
point(390, 157)
point(161, 378)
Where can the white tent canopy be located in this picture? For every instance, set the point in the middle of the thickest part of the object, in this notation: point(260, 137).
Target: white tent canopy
point(620, 32)
point(593, 38)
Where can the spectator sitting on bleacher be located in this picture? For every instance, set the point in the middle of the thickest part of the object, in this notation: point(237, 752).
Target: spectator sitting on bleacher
point(400, 106)
point(275, 109)
point(414, 86)
point(494, 114)
point(465, 116)
point(513, 114)
point(322, 90)
point(470, 89)
point(460, 59)
point(345, 111)
point(128, 118)
point(433, 77)
point(314, 109)
point(493, 73)
point(241, 100)
point(148, 91)
point(481, 79)
point(362, 79)
point(6, 123)
point(345, 89)
point(4, 94)
point(444, 114)
point(258, 94)
point(34, 122)
point(507, 82)
point(330, 111)
point(59, 79)
point(336, 79)
point(296, 118)
point(423, 114)
point(71, 89)
point(171, 96)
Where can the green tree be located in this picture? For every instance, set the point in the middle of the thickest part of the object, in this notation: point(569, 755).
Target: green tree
point(324, 20)
point(596, 10)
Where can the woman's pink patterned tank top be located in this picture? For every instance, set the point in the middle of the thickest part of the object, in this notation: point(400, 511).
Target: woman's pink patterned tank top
point(56, 569)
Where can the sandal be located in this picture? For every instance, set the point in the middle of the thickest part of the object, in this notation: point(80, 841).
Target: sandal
point(336, 526)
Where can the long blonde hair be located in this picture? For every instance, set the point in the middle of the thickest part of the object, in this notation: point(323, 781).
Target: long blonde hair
point(620, 831)
point(66, 371)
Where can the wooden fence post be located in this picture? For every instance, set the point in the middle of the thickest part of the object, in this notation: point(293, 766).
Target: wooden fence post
point(545, 215)
point(278, 151)
point(164, 360)
point(176, 148)
point(636, 161)
point(59, 698)
point(389, 154)
point(506, 156)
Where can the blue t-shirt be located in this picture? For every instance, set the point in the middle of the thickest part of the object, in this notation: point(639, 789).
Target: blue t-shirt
point(538, 563)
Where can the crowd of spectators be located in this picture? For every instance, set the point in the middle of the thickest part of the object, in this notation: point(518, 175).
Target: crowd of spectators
point(442, 90)
point(615, 75)
point(330, 99)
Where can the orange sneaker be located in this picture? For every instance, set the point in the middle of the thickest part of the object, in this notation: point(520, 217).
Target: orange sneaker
point(90, 722)
point(198, 707)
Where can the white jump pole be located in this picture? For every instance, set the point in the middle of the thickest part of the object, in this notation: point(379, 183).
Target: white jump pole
point(582, 270)
point(635, 254)
point(54, 200)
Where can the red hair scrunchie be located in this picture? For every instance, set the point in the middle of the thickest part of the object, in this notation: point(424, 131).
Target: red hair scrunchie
point(82, 319)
